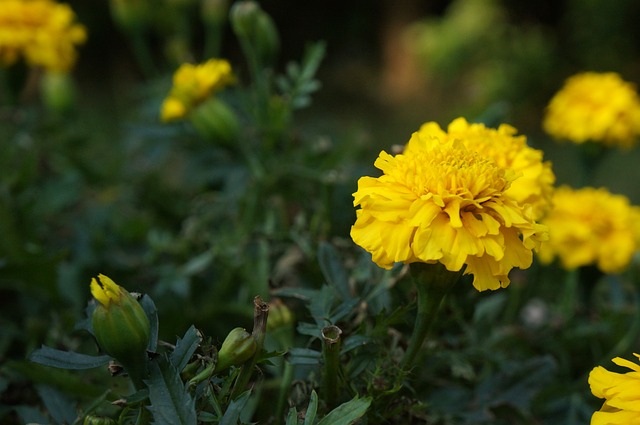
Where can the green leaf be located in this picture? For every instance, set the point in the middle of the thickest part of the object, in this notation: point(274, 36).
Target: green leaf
point(150, 309)
point(58, 406)
point(67, 359)
point(65, 381)
point(185, 348)
point(304, 356)
point(232, 415)
point(348, 412)
point(170, 402)
point(353, 342)
point(333, 270)
point(312, 408)
point(292, 417)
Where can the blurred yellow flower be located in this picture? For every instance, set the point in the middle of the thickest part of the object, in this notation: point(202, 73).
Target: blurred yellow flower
point(620, 391)
point(533, 187)
point(441, 201)
point(193, 84)
point(600, 107)
point(42, 32)
point(591, 226)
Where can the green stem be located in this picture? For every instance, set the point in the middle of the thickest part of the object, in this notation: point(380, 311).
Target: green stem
point(432, 282)
point(260, 314)
point(331, 343)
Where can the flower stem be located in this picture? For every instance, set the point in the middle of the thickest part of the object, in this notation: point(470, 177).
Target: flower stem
point(432, 282)
point(331, 354)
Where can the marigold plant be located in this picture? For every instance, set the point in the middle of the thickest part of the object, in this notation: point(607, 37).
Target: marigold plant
point(591, 226)
point(441, 201)
point(42, 32)
point(193, 84)
point(620, 391)
point(534, 186)
point(600, 107)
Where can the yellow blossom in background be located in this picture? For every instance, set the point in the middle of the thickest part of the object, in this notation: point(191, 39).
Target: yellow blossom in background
point(42, 32)
point(620, 391)
point(591, 226)
point(600, 107)
point(440, 201)
point(193, 84)
point(533, 187)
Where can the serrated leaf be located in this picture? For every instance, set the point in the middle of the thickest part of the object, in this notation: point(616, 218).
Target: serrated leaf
point(85, 323)
point(171, 403)
point(309, 329)
point(333, 270)
point(185, 348)
point(303, 356)
point(303, 294)
point(67, 359)
point(348, 412)
point(354, 342)
point(65, 381)
point(312, 408)
point(232, 415)
point(58, 405)
point(292, 417)
point(151, 311)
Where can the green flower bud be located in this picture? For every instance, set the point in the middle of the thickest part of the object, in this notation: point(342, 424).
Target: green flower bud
point(256, 27)
point(58, 91)
point(121, 326)
point(215, 121)
point(237, 348)
point(279, 315)
point(131, 15)
point(98, 420)
point(243, 16)
point(214, 12)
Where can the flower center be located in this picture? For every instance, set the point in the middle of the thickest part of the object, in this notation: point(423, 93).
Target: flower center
point(450, 170)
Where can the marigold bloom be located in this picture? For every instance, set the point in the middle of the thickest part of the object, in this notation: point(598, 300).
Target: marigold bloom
point(42, 32)
point(193, 84)
point(440, 201)
point(535, 184)
point(620, 391)
point(600, 107)
point(591, 226)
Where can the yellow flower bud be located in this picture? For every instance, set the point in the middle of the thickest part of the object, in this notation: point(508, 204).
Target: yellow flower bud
point(120, 325)
point(237, 348)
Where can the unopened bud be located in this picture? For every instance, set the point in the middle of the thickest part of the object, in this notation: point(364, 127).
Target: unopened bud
point(256, 27)
point(58, 91)
point(215, 121)
point(237, 348)
point(120, 325)
point(279, 315)
point(131, 15)
point(214, 12)
point(98, 420)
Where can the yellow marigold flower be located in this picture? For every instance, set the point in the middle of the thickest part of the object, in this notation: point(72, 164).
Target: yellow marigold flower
point(440, 201)
point(600, 107)
point(42, 32)
point(620, 391)
point(193, 84)
point(591, 226)
point(534, 187)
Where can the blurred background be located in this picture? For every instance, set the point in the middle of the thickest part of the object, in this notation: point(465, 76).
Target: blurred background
point(109, 189)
